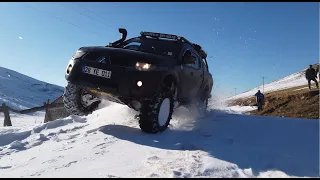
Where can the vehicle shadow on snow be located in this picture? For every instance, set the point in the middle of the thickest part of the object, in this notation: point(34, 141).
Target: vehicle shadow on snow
point(259, 143)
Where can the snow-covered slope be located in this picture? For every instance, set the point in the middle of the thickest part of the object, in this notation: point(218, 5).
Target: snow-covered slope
point(293, 80)
point(20, 91)
point(109, 143)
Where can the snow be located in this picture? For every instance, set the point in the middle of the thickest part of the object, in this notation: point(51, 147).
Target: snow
point(109, 143)
point(238, 109)
point(25, 121)
point(21, 92)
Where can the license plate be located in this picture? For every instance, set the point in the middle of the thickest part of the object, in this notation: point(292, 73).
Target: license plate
point(97, 72)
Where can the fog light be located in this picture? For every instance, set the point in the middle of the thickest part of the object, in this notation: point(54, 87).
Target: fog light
point(139, 83)
point(69, 69)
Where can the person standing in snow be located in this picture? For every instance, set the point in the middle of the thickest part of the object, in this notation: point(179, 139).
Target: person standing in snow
point(311, 75)
point(259, 99)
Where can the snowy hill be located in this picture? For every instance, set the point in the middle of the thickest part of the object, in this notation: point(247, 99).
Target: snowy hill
point(109, 143)
point(293, 80)
point(224, 144)
point(20, 91)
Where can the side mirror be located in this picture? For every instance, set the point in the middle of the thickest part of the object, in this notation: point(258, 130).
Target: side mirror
point(189, 60)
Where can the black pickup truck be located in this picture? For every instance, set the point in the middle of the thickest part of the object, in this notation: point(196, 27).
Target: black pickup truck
point(153, 74)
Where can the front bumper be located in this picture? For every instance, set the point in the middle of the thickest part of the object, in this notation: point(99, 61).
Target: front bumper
point(123, 81)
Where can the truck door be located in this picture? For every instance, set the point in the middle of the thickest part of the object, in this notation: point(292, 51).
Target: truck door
point(190, 78)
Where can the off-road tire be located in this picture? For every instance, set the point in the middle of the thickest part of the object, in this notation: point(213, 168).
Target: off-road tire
point(72, 101)
point(148, 117)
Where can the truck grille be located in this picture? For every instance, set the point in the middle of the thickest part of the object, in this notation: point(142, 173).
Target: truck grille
point(112, 60)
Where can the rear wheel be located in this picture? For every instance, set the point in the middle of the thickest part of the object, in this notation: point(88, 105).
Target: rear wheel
point(202, 105)
point(77, 101)
point(155, 114)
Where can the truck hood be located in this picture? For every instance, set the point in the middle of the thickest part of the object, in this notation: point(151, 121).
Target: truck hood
point(117, 54)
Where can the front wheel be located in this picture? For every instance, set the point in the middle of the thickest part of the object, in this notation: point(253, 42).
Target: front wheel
point(155, 114)
point(77, 101)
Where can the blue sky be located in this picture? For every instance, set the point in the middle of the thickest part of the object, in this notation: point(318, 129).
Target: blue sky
point(244, 40)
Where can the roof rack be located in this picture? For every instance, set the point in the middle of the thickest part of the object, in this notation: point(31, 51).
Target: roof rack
point(175, 37)
point(159, 35)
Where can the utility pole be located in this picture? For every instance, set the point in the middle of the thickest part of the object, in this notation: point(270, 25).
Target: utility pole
point(263, 83)
point(235, 91)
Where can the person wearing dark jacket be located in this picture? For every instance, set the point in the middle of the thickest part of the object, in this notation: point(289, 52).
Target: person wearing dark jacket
point(311, 75)
point(259, 99)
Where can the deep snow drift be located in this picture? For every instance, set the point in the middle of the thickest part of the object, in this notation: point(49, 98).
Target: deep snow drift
point(21, 92)
point(109, 143)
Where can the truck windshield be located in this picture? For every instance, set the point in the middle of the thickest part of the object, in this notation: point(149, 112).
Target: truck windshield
point(155, 46)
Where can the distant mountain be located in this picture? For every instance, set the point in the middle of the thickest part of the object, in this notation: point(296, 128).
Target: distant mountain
point(20, 91)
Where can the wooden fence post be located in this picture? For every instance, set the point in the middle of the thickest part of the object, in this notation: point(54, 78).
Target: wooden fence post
point(7, 120)
point(47, 116)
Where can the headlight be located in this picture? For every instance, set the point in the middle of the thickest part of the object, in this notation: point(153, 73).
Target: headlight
point(78, 54)
point(144, 66)
point(70, 66)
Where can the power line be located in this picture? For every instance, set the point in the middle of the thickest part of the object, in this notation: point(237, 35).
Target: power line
point(82, 7)
point(28, 6)
point(86, 15)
